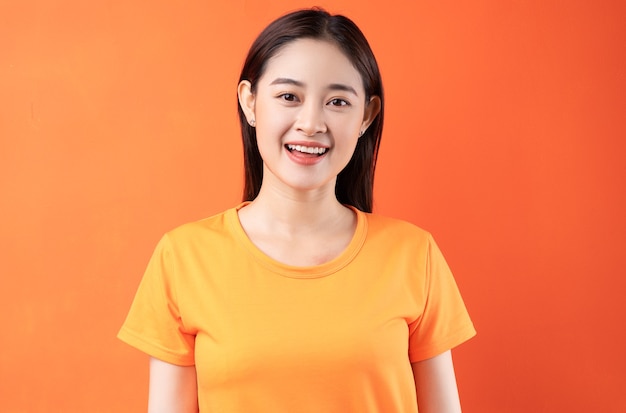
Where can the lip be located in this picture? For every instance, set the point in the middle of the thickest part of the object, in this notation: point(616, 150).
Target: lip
point(306, 159)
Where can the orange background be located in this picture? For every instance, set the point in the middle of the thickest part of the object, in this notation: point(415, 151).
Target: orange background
point(505, 137)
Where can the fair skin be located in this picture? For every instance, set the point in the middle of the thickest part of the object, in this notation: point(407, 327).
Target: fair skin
point(173, 389)
point(309, 108)
point(312, 97)
point(435, 384)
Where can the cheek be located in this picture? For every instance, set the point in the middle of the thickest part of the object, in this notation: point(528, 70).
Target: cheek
point(345, 147)
point(270, 124)
point(270, 132)
point(346, 130)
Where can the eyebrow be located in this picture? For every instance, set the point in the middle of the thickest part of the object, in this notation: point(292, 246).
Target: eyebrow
point(332, 86)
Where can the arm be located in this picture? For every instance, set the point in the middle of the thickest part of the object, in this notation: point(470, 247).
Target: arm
point(435, 384)
point(173, 389)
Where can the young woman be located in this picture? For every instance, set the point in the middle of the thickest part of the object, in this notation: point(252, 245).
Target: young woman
point(299, 299)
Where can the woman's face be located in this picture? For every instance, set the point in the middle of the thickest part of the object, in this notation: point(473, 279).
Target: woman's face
point(309, 108)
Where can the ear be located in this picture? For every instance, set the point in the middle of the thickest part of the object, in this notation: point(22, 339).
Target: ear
point(372, 109)
point(246, 99)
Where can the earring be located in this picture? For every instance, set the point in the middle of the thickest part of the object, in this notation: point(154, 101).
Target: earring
point(252, 123)
point(361, 133)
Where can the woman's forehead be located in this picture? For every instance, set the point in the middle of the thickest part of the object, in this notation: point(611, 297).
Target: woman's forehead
point(312, 61)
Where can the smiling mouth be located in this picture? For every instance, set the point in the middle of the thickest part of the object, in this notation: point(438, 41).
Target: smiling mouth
point(308, 150)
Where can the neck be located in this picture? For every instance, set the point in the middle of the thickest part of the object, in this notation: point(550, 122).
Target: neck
point(299, 210)
point(295, 211)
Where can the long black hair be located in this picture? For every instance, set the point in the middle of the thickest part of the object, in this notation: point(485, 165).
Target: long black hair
point(355, 183)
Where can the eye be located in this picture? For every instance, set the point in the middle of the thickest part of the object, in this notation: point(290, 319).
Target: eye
point(338, 102)
point(288, 97)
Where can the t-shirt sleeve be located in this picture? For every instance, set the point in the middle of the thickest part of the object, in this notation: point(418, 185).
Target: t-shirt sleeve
point(154, 324)
point(444, 322)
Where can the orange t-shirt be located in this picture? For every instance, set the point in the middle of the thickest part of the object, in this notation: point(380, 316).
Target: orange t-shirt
point(268, 337)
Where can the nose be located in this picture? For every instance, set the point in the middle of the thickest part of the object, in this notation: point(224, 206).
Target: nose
point(310, 119)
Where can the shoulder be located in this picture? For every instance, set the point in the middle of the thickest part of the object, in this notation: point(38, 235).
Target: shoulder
point(396, 229)
point(215, 228)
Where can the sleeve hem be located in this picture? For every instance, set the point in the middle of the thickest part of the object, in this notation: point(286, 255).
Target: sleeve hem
point(426, 352)
point(131, 338)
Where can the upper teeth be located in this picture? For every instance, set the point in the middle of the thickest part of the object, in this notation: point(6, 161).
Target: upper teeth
point(306, 149)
